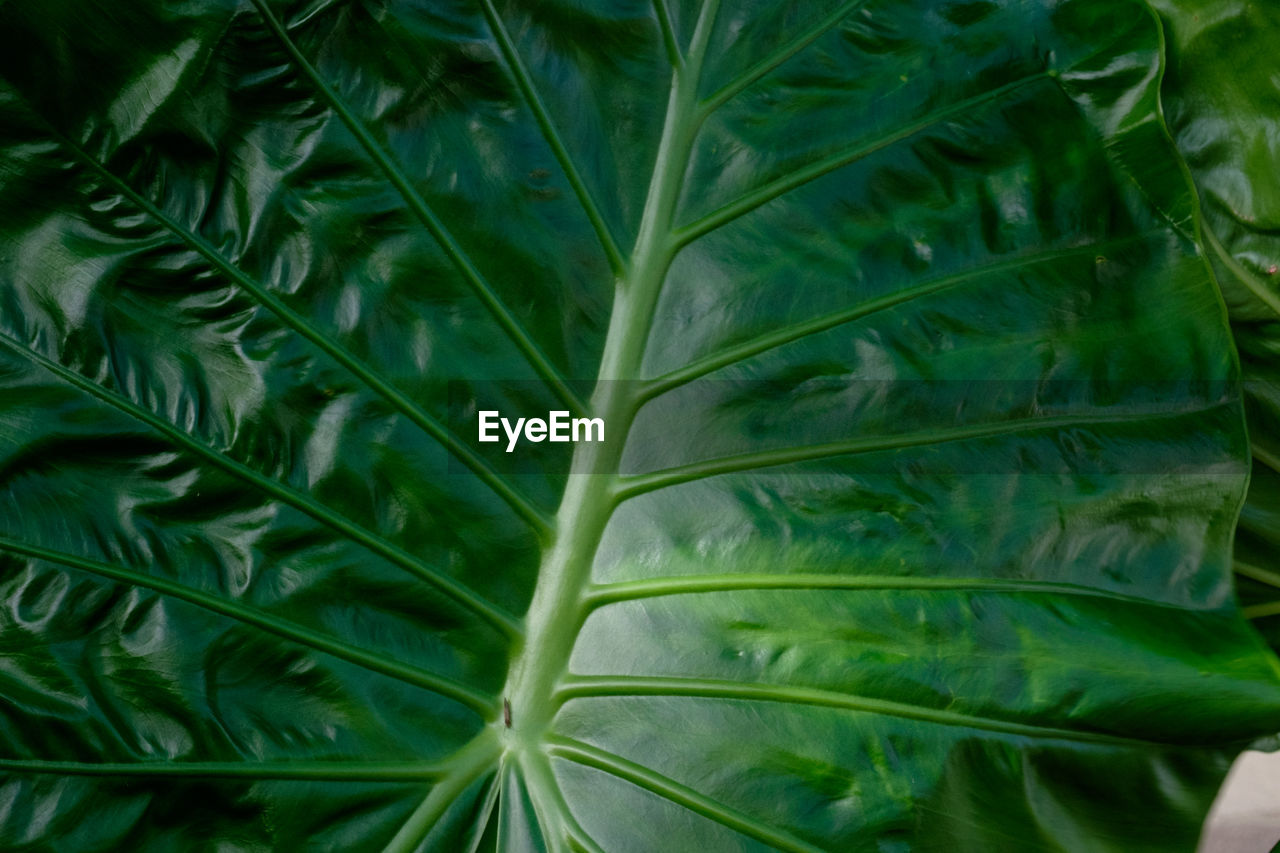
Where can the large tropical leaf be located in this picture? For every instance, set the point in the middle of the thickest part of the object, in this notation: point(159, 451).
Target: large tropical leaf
point(1222, 94)
point(924, 451)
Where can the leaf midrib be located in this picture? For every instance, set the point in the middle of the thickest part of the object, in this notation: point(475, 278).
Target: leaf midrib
point(558, 606)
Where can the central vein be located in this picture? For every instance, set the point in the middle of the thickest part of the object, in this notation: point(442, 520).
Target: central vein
point(558, 608)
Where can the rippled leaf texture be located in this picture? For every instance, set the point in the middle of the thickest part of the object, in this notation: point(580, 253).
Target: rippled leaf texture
point(1222, 94)
point(901, 540)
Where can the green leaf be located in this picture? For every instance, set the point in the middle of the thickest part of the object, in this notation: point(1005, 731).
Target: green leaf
point(924, 452)
point(1221, 96)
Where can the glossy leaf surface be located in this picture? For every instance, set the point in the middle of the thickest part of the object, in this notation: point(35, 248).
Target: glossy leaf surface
point(1222, 95)
point(913, 525)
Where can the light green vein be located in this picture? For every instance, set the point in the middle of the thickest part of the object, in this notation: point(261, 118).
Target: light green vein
point(805, 174)
point(476, 701)
point(1246, 277)
point(475, 279)
point(1258, 573)
point(549, 132)
point(773, 340)
point(779, 56)
point(681, 795)
point(583, 687)
point(1261, 611)
point(465, 767)
point(493, 614)
point(299, 324)
point(320, 771)
point(555, 611)
point(1265, 457)
point(669, 40)
point(584, 844)
point(639, 484)
point(549, 798)
point(603, 594)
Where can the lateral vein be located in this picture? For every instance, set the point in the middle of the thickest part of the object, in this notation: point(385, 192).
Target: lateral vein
point(669, 41)
point(524, 81)
point(1261, 611)
point(548, 796)
point(302, 326)
point(465, 767)
point(583, 687)
point(1257, 573)
point(641, 483)
point(781, 55)
point(463, 595)
point(613, 593)
point(773, 340)
point(677, 793)
point(338, 771)
point(1267, 458)
point(262, 620)
point(825, 165)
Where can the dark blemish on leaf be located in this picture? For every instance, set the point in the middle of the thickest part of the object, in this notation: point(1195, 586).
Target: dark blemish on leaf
point(506, 713)
point(540, 174)
point(546, 193)
point(966, 14)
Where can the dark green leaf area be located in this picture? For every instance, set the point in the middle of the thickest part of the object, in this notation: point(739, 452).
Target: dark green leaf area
point(926, 441)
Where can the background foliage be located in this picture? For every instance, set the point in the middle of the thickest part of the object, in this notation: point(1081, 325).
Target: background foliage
point(1221, 102)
